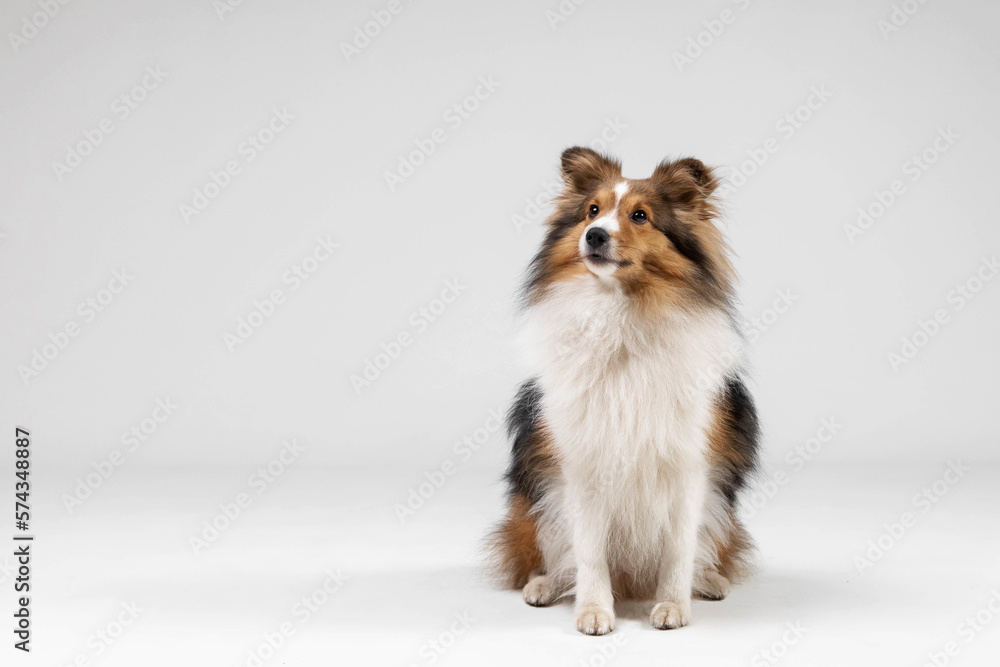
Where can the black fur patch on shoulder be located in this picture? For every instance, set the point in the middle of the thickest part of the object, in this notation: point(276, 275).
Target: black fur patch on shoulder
point(523, 421)
point(743, 428)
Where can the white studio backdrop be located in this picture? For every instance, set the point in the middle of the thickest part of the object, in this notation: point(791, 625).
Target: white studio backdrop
point(171, 169)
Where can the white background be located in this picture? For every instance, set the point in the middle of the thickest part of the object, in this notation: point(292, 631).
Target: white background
point(453, 217)
point(560, 83)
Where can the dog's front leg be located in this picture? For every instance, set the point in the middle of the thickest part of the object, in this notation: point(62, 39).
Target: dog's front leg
point(595, 612)
point(680, 543)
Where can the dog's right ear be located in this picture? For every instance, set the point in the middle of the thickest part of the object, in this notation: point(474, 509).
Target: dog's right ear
point(583, 168)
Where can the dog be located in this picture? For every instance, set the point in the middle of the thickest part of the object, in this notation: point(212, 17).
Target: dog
point(632, 443)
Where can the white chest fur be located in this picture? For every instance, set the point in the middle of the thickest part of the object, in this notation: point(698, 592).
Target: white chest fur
point(626, 394)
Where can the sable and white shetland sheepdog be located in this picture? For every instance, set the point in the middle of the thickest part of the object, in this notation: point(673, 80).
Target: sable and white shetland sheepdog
point(633, 441)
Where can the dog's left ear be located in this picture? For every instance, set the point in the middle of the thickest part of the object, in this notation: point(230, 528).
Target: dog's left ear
point(583, 168)
point(685, 179)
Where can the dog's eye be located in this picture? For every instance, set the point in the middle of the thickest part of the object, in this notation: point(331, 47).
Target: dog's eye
point(639, 217)
point(593, 211)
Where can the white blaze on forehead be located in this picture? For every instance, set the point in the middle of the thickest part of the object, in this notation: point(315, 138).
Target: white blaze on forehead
point(620, 191)
point(609, 221)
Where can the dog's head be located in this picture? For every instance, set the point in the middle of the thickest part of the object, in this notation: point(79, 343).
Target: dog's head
point(655, 238)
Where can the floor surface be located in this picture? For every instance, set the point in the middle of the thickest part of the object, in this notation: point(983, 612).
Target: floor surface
point(856, 568)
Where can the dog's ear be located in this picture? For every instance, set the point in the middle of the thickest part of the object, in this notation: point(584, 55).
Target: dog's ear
point(686, 180)
point(583, 168)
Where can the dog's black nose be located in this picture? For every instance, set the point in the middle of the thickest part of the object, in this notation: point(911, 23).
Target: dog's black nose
point(596, 237)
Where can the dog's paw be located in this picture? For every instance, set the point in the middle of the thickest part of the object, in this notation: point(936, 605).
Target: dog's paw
point(595, 621)
point(539, 592)
point(670, 615)
point(712, 586)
